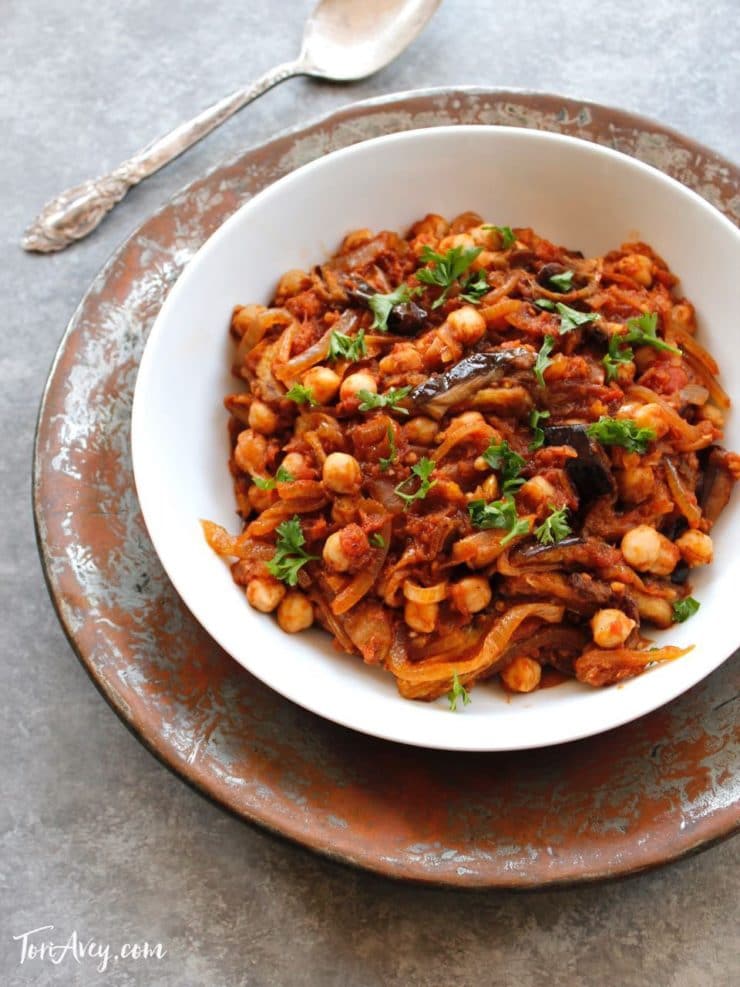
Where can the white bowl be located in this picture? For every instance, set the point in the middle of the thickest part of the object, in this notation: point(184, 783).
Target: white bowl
point(576, 193)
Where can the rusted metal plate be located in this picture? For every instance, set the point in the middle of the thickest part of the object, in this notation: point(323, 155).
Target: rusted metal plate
point(631, 799)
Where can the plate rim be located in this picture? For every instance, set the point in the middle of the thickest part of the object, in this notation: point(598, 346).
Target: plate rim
point(723, 823)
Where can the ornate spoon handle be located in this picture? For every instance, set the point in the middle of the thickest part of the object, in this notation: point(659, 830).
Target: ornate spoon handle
point(76, 212)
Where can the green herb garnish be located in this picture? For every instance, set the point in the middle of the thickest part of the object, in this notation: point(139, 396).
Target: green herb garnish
point(343, 347)
point(289, 555)
point(382, 305)
point(268, 483)
point(554, 528)
point(621, 432)
point(391, 399)
point(423, 470)
point(543, 360)
point(301, 395)
point(508, 237)
point(641, 331)
point(562, 281)
point(498, 514)
point(475, 288)
point(447, 268)
point(538, 433)
point(377, 539)
point(386, 461)
point(570, 318)
point(500, 456)
point(683, 609)
point(616, 356)
point(458, 691)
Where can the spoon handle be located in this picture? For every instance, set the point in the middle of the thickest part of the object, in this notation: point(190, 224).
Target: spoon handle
point(77, 212)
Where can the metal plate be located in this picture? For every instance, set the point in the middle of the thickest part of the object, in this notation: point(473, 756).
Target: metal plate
point(631, 799)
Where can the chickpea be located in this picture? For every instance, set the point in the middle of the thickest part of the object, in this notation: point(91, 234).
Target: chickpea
point(695, 547)
point(538, 492)
point(432, 225)
point(292, 283)
point(295, 612)
point(250, 451)
point(323, 382)
point(682, 317)
point(485, 236)
point(295, 463)
point(421, 616)
point(341, 473)
point(646, 550)
point(638, 267)
point(262, 418)
point(467, 325)
point(635, 485)
point(421, 431)
point(265, 594)
point(403, 358)
point(260, 500)
point(471, 594)
point(651, 416)
point(611, 628)
point(490, 487)
point(363, 380)
point(355, 239)
point(464, 240)
point(654, 608)
point(334, 555)
point(522, 674)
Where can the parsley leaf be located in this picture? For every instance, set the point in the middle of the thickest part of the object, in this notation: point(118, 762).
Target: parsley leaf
point(683, 609)
point(570, 318)
point(563, 281)
point(475, 287)
point(343, 347)
point(289, 555)
point(391, 399)
point(301, 395)
point(617, 355)
point(386, 461)
point(458, 691)
point(268, 483)
point(508, 237)
point(498, 514)
point(643, 331)
point(621, 432)
point(538, 433)
point(382, 305)
point(423, 470)
point(502, 457)
point(554, 528)
point(377, 539)
point(543, 360)
point(446, 268)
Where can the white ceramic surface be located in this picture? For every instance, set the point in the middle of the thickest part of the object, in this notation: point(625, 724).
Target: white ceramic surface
point(575, 193)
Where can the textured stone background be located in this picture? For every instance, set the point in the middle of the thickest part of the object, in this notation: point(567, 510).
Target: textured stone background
point(94, 834)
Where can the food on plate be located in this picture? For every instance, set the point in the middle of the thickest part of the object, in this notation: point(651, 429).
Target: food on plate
point(468, 452)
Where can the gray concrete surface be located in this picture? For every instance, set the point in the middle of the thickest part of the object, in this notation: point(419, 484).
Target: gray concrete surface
point(95, 836)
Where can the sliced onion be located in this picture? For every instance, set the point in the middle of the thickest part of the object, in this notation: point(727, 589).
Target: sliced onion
point(271, 518)
point(693, 436)
point(365, 579)
point(685, 500)
point(291, 368)
point(425, 594)
point(605, 667)
point(466, 432)
point(694, 394)
point(301, 490)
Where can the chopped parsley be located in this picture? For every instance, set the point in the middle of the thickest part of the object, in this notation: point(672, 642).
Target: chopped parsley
point(301, 395)
point(498, 514)
point(508, 237)
point(423, 470)
point(382, 305)
point(683, 609)
point(621, 432)
point(500, 456)
point(554, 528)
point(448, 268)
point(538, 433)
point(343, 347)
point(268, 483)
point(458, 691)
point(641, 331)
point(377, 540)
point(562, 281)
point(475, 288)
point(289, 555)
point(386, 461)
point(391, 399)
point(543, 360)
point(570, 318)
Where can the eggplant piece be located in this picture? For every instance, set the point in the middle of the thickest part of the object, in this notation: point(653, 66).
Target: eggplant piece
point(405, 319)
point(716, 483)
point(443, 391)
point(590, 473)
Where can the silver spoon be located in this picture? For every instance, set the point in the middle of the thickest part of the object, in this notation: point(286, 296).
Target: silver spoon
point(343, 40)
